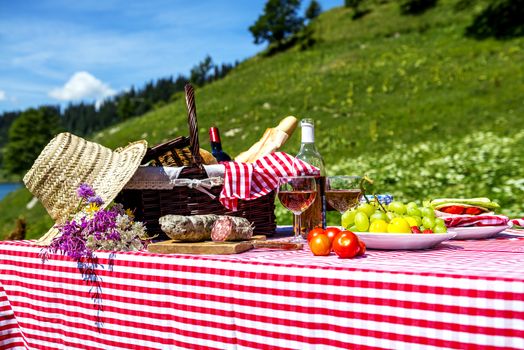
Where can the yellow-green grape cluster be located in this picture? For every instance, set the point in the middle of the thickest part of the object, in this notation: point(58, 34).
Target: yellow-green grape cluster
point(396, 217)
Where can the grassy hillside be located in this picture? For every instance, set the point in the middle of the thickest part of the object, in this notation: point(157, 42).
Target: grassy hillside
point(408, 100)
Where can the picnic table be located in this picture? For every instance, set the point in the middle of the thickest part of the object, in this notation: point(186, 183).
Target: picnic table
point(460, 295)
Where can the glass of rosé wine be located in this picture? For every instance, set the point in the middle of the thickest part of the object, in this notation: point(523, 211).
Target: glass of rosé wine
point(297, 193)
point(343, 192)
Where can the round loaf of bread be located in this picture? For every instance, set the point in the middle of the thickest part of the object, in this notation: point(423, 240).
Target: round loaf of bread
point(207, 157)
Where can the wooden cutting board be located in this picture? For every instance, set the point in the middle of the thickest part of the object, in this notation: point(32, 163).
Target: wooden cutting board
point(208, 247)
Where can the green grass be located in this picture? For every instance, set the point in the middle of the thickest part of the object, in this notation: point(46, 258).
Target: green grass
point(393, 96)
point(13, 206)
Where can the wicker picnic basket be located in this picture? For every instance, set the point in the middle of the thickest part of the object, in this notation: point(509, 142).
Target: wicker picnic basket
point(151, 204)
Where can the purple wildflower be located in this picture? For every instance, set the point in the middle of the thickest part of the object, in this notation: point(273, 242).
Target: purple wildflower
point(71, 242)
point(96, 230)
point(96, 200)
point(83, 223)
point(85, 191)
point(103, 226)
point(113, 235)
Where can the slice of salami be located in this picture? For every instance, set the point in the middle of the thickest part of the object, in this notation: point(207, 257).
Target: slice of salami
point(231, 228)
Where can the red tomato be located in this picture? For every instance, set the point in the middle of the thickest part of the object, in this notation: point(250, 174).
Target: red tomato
point(473, 211)
point(313, 233)
point(331, 232)
point(346, 245)
point(320, 245)
point(453, 209)
point(415, 229)
point(362, 249)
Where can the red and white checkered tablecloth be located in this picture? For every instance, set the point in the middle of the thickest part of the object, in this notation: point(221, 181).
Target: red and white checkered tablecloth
point(461, 295)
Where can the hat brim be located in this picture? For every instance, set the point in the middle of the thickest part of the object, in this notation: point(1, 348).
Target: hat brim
point(46, 239)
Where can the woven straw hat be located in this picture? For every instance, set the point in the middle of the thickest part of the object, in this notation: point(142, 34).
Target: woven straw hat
point(68, 161)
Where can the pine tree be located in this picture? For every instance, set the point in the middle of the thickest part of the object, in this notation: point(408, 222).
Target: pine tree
point(313, 10)
point(278, 22)
point(200, 73)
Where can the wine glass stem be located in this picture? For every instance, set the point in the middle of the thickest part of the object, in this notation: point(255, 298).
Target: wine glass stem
point(298, 225)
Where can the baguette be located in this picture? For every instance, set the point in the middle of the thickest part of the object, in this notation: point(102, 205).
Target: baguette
point(245, 157)
point(274, 140)
point(271, 140)
point(288, 125)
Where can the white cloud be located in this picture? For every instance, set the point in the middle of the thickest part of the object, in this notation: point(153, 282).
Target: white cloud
point(82, 85)
point(2, 95)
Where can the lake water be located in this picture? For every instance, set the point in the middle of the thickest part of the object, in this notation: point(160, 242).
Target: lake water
point(5, 188)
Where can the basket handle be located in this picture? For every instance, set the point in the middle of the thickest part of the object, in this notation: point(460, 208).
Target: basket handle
point(194, 144)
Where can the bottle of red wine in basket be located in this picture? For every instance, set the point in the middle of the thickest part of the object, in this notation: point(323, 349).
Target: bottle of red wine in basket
point(315, 215)
point(216, 145)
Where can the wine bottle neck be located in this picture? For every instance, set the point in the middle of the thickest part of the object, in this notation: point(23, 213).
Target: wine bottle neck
point(214, 135)
point(308, 148)
point(308, 132)
point(216, 146)
point(308, 151)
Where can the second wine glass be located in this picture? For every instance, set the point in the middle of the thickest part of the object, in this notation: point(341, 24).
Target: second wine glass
point(296, 193)
point(343, 192)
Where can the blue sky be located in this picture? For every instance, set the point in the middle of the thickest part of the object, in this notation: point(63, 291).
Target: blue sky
point(57, 51)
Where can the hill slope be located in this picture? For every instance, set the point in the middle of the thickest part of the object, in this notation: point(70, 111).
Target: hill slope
point(409, 100)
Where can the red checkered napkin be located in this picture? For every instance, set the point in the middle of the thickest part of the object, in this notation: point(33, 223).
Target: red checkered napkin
point(476, 220)
point(249, 181)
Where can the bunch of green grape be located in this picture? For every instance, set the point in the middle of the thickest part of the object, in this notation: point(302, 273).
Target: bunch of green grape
point(396, 217)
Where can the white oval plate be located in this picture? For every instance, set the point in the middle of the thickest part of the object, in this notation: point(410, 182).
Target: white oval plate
point(393, 241)
point(477, 232)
